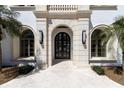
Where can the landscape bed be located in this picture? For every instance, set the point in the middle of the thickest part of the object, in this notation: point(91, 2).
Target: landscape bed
point(114, 73)
point(9, 73)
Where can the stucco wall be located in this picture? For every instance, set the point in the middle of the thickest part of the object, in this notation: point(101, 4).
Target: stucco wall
point(112, 48)
point(6, 44)
point(16, 48)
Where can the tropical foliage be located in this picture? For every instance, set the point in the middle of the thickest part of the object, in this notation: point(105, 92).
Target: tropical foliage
point(9, 22)
point(116, 28)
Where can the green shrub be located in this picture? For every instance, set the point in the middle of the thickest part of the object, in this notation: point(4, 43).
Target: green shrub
point(99, 70)
point(25, 69)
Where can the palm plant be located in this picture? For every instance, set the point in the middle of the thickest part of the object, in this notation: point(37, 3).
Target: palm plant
point(10, 23)
point(116, 28)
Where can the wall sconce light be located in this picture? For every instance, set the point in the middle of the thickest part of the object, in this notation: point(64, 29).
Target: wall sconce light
point(84, 36)
point(41, 36)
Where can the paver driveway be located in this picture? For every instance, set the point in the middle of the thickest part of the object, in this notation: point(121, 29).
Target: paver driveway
point(63, 74)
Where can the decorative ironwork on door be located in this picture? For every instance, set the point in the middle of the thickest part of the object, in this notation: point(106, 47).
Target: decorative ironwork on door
point(62, 46)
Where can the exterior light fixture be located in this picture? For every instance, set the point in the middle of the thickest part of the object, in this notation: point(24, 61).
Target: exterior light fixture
point(84, 37)
point(41, 36)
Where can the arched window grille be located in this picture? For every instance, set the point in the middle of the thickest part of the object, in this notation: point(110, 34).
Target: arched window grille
point(27, 44)
point(97, 49)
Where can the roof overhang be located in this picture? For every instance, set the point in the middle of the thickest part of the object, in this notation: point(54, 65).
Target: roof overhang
point(22, 8)
point(103, 7)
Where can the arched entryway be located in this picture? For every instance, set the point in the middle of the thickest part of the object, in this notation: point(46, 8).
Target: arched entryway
point(98, 50)
point(27, 44)
point(62, 46)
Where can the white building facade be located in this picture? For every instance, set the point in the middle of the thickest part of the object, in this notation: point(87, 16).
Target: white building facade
point(61, 32)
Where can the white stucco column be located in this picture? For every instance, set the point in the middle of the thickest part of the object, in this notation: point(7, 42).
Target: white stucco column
point(41, 49)
point(80, 51)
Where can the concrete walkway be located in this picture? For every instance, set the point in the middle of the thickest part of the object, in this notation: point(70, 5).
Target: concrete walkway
point(62, 75)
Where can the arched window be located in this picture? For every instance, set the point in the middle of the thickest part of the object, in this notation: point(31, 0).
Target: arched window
point(27, 44)
point(97, 49)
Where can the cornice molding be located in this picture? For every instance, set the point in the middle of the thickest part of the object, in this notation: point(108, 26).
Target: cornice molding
point(63, 15)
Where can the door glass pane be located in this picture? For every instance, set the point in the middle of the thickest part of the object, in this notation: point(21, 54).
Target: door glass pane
point(97, 49)
point(27, 44)
point(62, 46)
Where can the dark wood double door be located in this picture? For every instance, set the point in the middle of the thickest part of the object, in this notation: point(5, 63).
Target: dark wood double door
point(62, 46)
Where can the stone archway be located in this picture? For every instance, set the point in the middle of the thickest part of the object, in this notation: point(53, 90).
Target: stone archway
point(98, 51)
point(17, 42)
point(61, 35)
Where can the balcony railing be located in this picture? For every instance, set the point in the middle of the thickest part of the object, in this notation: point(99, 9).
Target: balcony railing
point(62, 7)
